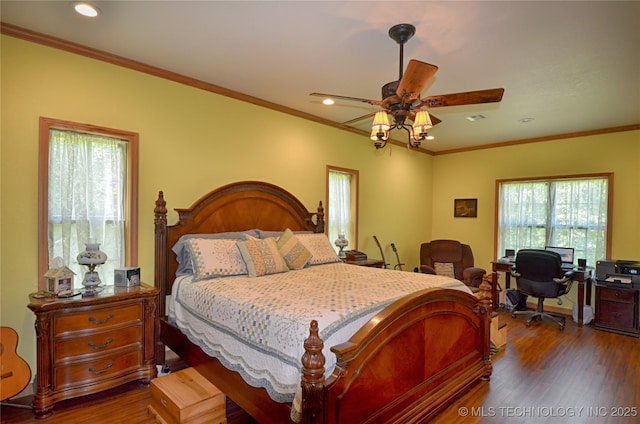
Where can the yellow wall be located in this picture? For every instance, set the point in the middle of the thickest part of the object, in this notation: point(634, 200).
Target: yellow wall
point(473, 175)
point(405, 197)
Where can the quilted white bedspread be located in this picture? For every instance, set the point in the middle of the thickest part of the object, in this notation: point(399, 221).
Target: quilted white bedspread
point(257, 326)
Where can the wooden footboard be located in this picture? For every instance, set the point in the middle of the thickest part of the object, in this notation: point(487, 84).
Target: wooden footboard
point(405, 365)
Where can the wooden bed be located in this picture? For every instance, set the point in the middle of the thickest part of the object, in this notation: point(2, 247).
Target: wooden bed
point(405, 365)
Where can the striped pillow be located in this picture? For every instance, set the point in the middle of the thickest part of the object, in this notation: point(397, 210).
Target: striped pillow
point(261, 257)
point(294, 253)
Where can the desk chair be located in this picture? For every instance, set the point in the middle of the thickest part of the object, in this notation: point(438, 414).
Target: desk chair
point(539, 273)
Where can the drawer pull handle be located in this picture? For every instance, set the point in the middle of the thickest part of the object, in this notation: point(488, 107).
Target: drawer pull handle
point(95, 371)
point(96, 322)
point(102, 346)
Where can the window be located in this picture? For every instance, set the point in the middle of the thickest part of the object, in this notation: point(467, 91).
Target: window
point(565, 212)
point(88, 192)
point(342, 205)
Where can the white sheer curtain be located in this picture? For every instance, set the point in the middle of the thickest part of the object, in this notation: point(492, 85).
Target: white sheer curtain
point(564, 212)
point(87, 192)
point(339, 214)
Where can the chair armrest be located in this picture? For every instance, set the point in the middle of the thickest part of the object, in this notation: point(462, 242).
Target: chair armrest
point(426, 269)
point(472, 276)
point(567, 276)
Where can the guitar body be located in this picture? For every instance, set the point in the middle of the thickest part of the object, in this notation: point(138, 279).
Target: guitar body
point(14, 371)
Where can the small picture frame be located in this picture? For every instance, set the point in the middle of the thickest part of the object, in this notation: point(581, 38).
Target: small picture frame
point(465, 208)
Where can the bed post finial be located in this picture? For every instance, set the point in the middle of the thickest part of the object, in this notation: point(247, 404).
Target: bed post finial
point(160, 210)
point(486, 295)
point(320, 219)
point(313, 377)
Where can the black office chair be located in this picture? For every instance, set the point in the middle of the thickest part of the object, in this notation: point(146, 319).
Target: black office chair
point(539, 273)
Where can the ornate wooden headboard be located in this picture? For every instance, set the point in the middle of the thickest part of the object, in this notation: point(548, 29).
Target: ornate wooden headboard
point(234, 207)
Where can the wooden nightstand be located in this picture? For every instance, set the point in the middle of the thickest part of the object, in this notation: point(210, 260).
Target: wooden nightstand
point(89, 344)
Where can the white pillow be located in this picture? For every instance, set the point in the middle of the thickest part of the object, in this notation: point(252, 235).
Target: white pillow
point(215, 258)
point(318, 244)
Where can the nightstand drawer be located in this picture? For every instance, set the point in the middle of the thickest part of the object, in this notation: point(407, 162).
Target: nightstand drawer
point(97, 318)
point(96, 342)
point(621, 295)
point(104, 367)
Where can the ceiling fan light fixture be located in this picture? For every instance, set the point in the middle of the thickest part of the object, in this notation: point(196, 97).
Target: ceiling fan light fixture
point(421, 124)
point(381, 124)
point(378, 142)
point(380, 129)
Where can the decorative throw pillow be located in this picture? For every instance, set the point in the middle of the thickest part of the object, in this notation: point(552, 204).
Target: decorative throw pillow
point(294, 253)
point(262, 257)
point(215, 258)
point(444, 268)
point(318, 244)
point(183, 255)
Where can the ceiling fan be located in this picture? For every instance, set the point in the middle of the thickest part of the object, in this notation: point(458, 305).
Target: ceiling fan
point(401, 99)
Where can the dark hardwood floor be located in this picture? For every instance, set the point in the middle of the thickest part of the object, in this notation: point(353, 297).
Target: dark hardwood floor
point(581, 375)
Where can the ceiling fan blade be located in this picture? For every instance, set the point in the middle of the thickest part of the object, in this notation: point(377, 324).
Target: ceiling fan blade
point(360, 118)
point(493, 95)
point(356, 99)
point(415, 79)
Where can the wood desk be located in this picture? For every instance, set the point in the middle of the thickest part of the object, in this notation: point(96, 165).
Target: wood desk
point(584, 277)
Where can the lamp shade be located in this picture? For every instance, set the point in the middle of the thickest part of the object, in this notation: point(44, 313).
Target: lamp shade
point(92, 255)
point(422, 122)
point(381, 122)
point(380, 128)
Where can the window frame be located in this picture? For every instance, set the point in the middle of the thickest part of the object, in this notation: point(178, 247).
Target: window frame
point(605, 175)
point(354, 183)
point(131, 208)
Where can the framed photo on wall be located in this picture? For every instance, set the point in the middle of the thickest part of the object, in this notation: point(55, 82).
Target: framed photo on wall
point(465, 208)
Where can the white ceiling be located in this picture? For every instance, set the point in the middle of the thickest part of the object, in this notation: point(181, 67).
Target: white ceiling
point(570, 66)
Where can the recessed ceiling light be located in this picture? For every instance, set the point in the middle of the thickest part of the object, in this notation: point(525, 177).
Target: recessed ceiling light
point(474, 118)
point(525, 120)
point(86, 9)
point(430, 137)
point(328, 101)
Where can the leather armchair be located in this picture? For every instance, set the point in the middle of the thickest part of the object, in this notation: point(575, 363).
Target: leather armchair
point(436, 255)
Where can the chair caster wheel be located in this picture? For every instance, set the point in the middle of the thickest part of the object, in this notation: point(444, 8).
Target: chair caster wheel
point(513, 314)
point(528, 323)
point(561, 328)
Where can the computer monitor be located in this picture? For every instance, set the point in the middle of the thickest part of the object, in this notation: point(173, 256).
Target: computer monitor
point(566, 253)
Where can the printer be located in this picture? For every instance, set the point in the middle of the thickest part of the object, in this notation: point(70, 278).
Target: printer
point(618, 273)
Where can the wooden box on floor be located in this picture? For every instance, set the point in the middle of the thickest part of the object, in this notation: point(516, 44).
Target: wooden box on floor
point(186, 397)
